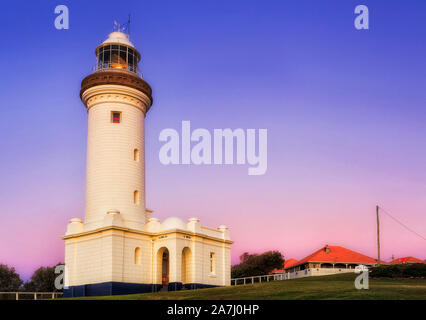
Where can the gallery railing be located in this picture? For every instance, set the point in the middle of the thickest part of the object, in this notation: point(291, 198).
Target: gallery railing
point(116, 66)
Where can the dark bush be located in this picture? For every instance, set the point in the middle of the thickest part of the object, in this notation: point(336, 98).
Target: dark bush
point(415, 270)
point(257, 264)
point(9, 279)
point(42, 280)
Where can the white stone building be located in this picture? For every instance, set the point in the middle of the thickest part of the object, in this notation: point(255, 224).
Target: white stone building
point(119, 248)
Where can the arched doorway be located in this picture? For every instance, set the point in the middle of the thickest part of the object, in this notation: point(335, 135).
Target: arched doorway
point(186, 270)
point(163, 266)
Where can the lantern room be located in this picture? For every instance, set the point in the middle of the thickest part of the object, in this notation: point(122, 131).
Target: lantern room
point(117, 52)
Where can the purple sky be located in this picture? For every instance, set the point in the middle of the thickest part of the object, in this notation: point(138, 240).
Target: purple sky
point(345, 112)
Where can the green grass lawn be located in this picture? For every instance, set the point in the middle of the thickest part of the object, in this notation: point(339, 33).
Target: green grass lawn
point(325, 287)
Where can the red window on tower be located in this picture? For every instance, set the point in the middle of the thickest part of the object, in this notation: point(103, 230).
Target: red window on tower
point(116, 117)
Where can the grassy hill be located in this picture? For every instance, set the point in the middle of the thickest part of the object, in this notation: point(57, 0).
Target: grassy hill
point(325, 287)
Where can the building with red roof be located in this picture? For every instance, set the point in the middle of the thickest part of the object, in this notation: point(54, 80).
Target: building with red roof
point(406, 260)
point(328, 260)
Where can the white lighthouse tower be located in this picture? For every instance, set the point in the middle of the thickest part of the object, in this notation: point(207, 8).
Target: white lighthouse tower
point(119, 248)
point(117, 101)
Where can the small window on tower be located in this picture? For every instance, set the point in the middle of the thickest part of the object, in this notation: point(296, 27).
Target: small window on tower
point(136, 197)
point(115, 117)
point(136, 155)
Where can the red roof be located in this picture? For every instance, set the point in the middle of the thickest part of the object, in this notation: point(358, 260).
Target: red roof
point(290, 262)
point(287, 264)
point(337, 254)
point(406, 260)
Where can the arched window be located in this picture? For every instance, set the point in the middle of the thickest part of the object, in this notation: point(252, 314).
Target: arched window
point(136, 155)
point(212, 263)
point(138, 256)
point(136, 197)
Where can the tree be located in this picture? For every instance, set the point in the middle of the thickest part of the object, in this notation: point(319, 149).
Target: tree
point(42, 280)
point(9, 279)
point(257, 264)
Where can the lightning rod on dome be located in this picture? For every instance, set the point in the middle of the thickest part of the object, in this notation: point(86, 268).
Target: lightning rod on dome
point(124, 28)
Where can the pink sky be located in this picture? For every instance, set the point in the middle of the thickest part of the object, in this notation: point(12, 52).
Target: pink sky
point(344, 109)
point(263, 213)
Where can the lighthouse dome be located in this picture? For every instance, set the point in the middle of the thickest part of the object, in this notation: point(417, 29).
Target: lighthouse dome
point(118, 37)
point(173, 223)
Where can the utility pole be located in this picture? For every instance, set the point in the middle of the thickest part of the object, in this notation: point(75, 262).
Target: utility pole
point(378, 236)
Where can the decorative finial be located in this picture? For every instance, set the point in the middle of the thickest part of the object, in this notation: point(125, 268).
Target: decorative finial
point(124, 28)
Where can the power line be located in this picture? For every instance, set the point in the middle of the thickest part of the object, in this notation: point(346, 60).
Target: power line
point(395, 219)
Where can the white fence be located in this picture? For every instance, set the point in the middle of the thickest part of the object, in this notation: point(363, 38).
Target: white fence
point(257, 279)
point(311, 272)
point(29, 295)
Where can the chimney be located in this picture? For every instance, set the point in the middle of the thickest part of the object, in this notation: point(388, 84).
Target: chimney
point(327, 249)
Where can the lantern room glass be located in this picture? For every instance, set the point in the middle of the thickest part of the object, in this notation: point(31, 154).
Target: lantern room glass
point(117, 57)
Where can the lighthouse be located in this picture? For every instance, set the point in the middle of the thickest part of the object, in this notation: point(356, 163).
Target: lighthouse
point(117, 100)
point(118, 248)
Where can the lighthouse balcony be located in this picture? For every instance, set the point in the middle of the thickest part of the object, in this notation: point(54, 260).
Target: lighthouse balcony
point(108, 66)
